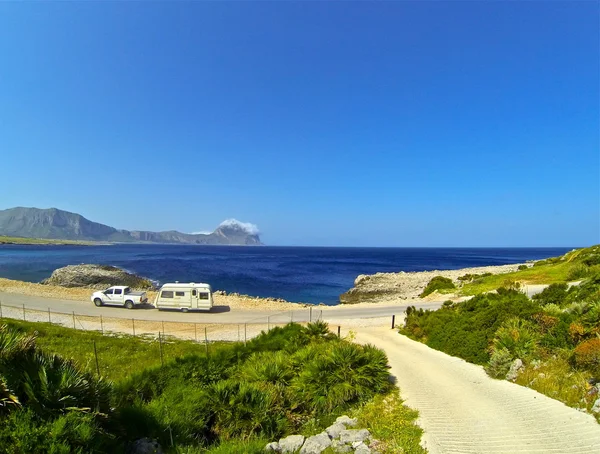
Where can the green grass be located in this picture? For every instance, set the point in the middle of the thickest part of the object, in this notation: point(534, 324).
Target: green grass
point(387, 418)
point(118, 357)
point(20, 240)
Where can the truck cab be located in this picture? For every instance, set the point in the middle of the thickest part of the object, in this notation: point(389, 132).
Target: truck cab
point(119, 295)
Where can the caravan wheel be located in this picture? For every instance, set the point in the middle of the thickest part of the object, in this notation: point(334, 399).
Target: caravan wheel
point(184, 309)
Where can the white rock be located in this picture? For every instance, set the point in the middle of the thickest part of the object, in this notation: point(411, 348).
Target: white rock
point(340, 447)
point(515, 367)
point(362, 449)
point(335, 429)
point(316, 444)
point(291, 444)
point(352, 435)
point(596, 407)
point(346, 421)
point(273, 447)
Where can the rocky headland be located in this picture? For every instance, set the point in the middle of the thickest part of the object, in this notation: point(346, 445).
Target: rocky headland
point(96, 277)
point(391, 287)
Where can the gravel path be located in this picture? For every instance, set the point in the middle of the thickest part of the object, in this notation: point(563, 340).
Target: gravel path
point(462, 410)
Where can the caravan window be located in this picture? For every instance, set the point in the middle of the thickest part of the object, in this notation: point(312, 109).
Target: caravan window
point(166, 294)
point(203, 296)
point(194, 292)
point(179, 293)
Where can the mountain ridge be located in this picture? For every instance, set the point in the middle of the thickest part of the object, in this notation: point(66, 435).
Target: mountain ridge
point(56, 224)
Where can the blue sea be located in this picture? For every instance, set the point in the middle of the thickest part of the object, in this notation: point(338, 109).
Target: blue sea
point(299, 274)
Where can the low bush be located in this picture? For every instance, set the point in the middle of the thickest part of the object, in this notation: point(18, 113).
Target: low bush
point(522, 267)
point(517, 336)
point(553, 294)
point(437, 283)
point(499, 363)
point(578, 271)
point(587, 356)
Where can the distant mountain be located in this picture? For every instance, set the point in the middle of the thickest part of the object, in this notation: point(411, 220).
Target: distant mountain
point(57, 224)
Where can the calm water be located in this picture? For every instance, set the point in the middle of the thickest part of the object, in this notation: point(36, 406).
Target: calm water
point(294, 273)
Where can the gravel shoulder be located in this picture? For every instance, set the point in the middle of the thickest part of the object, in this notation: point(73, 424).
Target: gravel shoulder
point(462, 410)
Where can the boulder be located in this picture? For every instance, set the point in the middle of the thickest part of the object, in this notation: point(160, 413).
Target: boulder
point(514, 370)
point(145, 446)
point(352, 435)
point(291, 444)
point(362, 448)
point(346, 421)
point(335, 429)
point(596, 406)
point(272, 447)
point(316, 444)
point(96, 277)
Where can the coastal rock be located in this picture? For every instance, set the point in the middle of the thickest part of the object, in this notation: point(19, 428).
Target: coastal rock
point(273, 447)
point(316, 444)
point(390, 287)
point(335, 429)
point(596, 406)
point(96, 277)
point(514, 370)
point(291, 444)
point(346, 421)
point(361, 448)
point(352, 435)
point(145, 446)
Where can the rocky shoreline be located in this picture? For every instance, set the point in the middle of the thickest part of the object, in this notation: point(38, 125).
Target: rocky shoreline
point(391, 287)
point(96, 277)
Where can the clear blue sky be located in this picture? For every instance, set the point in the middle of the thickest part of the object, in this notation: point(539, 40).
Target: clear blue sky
point(324, 123)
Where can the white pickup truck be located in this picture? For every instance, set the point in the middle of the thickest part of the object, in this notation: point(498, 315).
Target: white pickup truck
point(119, 295)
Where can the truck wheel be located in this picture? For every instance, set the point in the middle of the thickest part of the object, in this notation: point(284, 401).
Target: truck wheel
point(129, 304)
point(97, 302)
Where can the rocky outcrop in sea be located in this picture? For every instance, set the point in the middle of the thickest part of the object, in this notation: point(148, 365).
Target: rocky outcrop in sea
point(97, 277)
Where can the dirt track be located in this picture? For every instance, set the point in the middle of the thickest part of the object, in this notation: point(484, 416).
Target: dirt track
point(462, 410)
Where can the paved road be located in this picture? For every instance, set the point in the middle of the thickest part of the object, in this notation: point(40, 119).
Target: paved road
point(219, 314)
point(464, 411)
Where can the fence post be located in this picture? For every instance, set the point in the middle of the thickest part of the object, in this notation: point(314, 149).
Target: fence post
point(74, 320)
point(0, 309)
point(163, 326)
point(24, 312)
point(96, 355)
point(245, 326)
point(393, 321)
point(206, 341)
point(292, 317)
point(162, 362)
point(133, 326)
point(310, 314)
point(101, 325)
point(339, 328)
point(196, 331)
point(49, 316)
point(238, 332)
point(268, 323)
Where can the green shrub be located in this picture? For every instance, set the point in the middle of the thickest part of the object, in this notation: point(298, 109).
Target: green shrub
point(437, 283)
point(467, 329)
point(522, 267)
point(499, 363)
point(22, 431)
point(517, 336)
point(342, 375)
point(553, 294)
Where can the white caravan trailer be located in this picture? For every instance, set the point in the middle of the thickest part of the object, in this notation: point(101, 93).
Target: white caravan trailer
point(184, 297)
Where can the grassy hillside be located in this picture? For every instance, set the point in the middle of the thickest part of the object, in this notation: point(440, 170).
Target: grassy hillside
point(19, 240)
point(573, 266)
point(235, 399)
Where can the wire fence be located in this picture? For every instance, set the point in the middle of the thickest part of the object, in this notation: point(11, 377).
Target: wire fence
point(196, 331)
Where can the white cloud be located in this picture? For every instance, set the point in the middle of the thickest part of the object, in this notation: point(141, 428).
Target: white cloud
point(250, 229)
point(203, 232)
